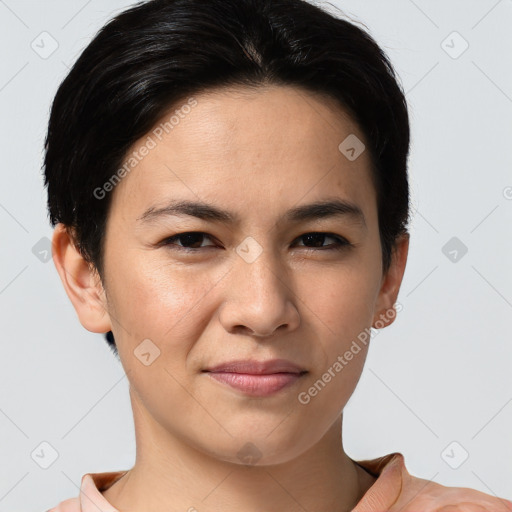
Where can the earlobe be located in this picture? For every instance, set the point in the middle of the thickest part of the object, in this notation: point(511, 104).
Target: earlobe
point(385, 312)
point(81, 282)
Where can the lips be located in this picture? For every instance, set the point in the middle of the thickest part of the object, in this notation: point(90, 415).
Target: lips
point(254, 367)
point(257, 378)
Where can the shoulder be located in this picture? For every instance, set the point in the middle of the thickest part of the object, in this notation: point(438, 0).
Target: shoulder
point(420, 494)
point(396, 490)
point(69, 505)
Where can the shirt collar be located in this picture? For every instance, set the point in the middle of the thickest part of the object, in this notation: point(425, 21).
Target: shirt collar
point(391, 476)
point(91, 499)
point(390, 471)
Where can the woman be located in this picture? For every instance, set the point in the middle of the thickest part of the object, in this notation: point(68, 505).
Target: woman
point(228, 184)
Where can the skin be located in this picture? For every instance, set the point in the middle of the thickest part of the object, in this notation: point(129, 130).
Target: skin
point(258, 154)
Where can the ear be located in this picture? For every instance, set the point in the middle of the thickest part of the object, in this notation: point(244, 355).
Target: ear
point(81, 282)
point(390, 285)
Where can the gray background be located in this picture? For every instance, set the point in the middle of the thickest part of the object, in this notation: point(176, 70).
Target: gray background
point(440, 374)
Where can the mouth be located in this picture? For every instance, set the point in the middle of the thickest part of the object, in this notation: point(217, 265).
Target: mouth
point(257, 378)
point(254, 367)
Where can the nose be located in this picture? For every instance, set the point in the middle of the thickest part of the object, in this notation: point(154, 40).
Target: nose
point(259, 299)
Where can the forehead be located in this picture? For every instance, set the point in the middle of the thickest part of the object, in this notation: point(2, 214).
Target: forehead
point(260, 150)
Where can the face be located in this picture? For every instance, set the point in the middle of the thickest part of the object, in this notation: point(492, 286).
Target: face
point(266, 283)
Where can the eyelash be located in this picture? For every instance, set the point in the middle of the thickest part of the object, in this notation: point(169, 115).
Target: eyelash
point(342, 243)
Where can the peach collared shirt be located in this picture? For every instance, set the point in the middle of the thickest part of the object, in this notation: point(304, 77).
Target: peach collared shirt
point(395, 490)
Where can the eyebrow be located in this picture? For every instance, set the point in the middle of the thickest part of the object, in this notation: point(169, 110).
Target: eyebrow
point(327, 208)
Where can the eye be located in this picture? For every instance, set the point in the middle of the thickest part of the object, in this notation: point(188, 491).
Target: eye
point(192, 238)
point(316, 240)
point(192, 241)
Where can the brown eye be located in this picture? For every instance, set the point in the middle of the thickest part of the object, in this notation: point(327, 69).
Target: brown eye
point(317, 239)
point(192, 241)
point(189, 241)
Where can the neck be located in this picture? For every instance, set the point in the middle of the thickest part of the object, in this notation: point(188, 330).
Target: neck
point(170, 473)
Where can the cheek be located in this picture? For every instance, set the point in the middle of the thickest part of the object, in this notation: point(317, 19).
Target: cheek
point(159, 301)
point(168, 306)
point(340, 304)
point(341, 299)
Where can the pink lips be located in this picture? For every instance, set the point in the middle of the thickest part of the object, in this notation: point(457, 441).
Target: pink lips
point(257, 378)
